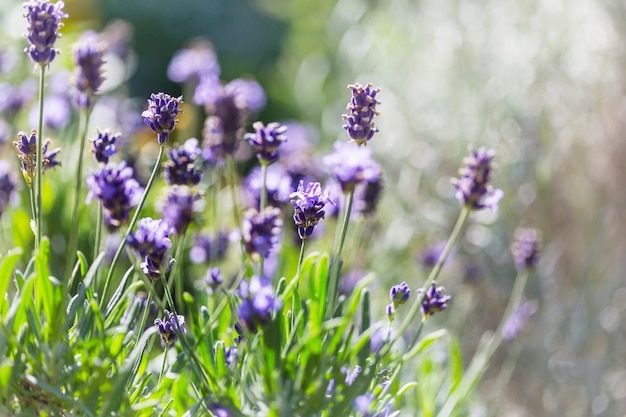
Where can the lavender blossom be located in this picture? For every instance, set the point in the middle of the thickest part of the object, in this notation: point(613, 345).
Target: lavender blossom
point(180, 168)
point(434, 300)
point(8, 186)
point(213, 279)
point(44, 22)
point(399, 294)
point(514, 325)
point(194, 63)
point(88, 56)
point(249, 91)
point(473, 189)
point(362, 107)
point(351, 164)
point(277, 186)
point(224, 127)
point(161, 114)
point(260, 231)
point(366, 196)
point(257, 303)
point(151, 242)
point(526, 248)
point(103, 145)
point(169, 326)
point(266, 140)
point(207, 248)
point(309, 207)
point(180, 207)
point(27, 153)
point(117, 191)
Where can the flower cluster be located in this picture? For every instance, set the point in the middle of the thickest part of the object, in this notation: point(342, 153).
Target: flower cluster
point(168, 326)
point(514, 324)
point(266, 140)
point(362, 110)
point(399, 294)
point(151, 241)
point(88, 57)
point(103, 145)
point(526, 248)
point(206, 248)
point(8, 185)
point(181, 205)
point(352, 165)
point(473, 189)
point(161, 114)
point(213, 279)
point(117, 191)
point(308, 205)
point(26, 146)
point(257, 303)
point(44, 22)
point(180, 167)
point(433, 300)
point(260, 231)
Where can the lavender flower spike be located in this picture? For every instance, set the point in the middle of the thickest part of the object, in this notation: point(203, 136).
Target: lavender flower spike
point(44, 22)
point(103, 145)
point(266, 140)
point(351, 165)
point(362, 108)
point(434, 300)
point(261, 231)
point(26, 146)
point(8, 186)
point(161, 114)
point(257, 303)
point(168, 326)
point(309, 207)
point(473, 189)
point(180, 168)
point(180, 207)
point(151, 241)
point(399, 294)
point(526, 248)
point(87, 78)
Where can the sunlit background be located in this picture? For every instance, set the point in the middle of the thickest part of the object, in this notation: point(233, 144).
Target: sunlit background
point(541, 82)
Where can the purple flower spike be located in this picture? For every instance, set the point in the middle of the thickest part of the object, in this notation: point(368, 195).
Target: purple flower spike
point(434, 300)
point(308, 205)
point(362, 107)
point(261, 231)
point(161, 114)
point(526, 248)
point(399, 294)
point(473, 189)
point(277, 186)
point(257, 303)
point(88, 58)
point(151, 241)
point(8, 186)
point(181, 205)
point(26, 146)
point(44, 22)
point(213, 279)
point(266, 140)
point(117, 190)
point(180, 168)
point(103, 145)
point(194, 64)
point(168, 327)
point(351, 165)
point(207, 248)
point(514, 325)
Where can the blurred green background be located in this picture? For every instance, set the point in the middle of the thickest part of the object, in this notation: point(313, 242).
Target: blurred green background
point(541, 82)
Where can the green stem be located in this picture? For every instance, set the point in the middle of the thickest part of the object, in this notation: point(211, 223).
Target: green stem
point(262, 205)
point(297, 283)
point(73, 240)
point(178, 266)
point(38, 175)
point(98, 238)
point(163, 364)
point(131, 225)
point(478, 365)
point(415, 308)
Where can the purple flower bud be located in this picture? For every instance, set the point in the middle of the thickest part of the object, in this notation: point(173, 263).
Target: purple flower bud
point(391, 312)
point(526, 248)
point(351, 164)
point(261, 231)
point(44, 22)
point(257, 303)
point(473, 189)
point(180, 207)
point(277, 186)
point(207, 248)
point(194, 63)
point(27, 153)
point(308, 207)
point(87, 78)
point(363, 403)
point(362, 107)
point(213, 279)
point(514, 325)
point(351, 377)
point(169, 326)
point(266, 140)
point(180, 168)
point(161, 114)
point(103, 145)
point(8, 186)
point(434, 300)
point(151, 242)
point(117, 191)
point(399, 294)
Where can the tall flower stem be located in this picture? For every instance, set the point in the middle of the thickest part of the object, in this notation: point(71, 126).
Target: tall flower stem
point(415, 308)
point(178, 266)
point(38, 176)
point(131, 225)
point(73, 240)
point(478, 365)
point(335, 266)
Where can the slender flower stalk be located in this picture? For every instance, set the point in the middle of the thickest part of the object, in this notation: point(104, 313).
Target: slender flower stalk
point(38, 176)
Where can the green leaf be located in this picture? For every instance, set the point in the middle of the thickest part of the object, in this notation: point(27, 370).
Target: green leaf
point(83, 263)
point(455, 363)
point(428, 340)
point(6, 271)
